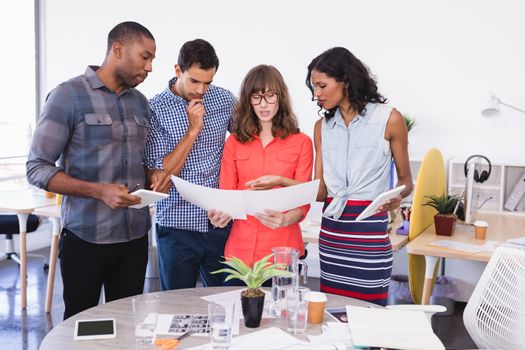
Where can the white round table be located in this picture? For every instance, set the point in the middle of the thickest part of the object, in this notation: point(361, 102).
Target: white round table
point(172, 302)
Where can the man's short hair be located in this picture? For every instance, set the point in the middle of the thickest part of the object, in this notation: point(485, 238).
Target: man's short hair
point(126, 32)
point(198, 52)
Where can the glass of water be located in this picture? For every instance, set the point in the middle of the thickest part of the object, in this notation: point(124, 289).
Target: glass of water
point(145, 311)
point(297, 309)
point(278, 303)
point(221, 318)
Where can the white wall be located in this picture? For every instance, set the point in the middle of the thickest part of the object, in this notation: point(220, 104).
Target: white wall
point(434, 60)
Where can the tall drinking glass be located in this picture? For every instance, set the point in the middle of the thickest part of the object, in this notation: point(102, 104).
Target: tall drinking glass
point(297, 309)
point(221, 318)
point(145, 310)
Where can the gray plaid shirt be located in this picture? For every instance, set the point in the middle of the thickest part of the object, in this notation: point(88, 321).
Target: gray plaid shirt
point(97, 136)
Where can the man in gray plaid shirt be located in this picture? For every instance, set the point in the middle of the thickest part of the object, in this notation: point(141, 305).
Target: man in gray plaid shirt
point(96, 126)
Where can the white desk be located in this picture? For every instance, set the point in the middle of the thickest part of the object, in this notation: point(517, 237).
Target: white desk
point(22, 203)
point(172, 302)
point(501, 227)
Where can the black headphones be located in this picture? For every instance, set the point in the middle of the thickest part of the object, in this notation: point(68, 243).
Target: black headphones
point(484, 174)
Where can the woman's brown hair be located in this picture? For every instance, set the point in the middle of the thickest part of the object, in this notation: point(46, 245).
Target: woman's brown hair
point(262, 79)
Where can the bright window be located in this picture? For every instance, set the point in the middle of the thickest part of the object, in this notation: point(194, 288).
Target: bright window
point(18, 88)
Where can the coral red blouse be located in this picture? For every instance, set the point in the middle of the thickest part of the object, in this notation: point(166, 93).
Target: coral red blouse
point(291, 157)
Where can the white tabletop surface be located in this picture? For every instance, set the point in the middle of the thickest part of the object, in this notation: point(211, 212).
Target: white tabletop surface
point(23, 201)
point(172, 302)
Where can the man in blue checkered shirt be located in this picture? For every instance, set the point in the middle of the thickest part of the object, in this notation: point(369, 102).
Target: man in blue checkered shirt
point(186, 138)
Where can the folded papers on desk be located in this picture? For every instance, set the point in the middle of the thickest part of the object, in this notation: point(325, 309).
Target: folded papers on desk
point(396, 329)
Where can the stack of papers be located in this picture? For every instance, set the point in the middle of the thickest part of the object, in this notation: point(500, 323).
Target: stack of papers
point(397, 329)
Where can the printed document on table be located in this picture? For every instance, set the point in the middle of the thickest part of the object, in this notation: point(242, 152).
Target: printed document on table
point(239, 203)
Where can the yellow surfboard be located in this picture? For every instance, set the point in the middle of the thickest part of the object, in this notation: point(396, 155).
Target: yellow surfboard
point(431, 180)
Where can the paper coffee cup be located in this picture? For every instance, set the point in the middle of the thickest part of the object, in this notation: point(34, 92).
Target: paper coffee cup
point(316, 303)
point(480, 228)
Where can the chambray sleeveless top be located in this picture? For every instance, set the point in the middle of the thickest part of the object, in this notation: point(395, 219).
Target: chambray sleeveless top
point(357, 158)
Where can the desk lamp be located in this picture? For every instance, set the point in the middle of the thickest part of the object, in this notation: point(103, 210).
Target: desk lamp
point(491, 108)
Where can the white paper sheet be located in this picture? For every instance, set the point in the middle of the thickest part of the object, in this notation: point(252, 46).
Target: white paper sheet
point(231, 202)
point(238, 204)
point(235, 295)
point(335, 333)
point(397, 329)
point(466, 247)
point(264, 339)
point(281, 199)
point(147, 198)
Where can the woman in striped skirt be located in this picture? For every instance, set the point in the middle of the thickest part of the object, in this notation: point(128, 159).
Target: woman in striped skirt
point(355, 142)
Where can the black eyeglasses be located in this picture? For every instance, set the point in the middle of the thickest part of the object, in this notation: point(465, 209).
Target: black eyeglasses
point(270, 98)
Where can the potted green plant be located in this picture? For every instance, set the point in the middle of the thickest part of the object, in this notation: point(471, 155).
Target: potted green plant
point(409, 121)
point(252, 298)
point(445, 219)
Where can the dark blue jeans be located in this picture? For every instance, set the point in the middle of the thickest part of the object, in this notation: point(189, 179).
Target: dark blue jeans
point(183, 255)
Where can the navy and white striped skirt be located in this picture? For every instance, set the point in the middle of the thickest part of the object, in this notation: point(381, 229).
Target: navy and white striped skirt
point(356, 256)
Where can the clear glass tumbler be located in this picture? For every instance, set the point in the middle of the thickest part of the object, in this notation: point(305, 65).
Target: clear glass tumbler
point(221, 318)
point(297, 309)
point(145, 311)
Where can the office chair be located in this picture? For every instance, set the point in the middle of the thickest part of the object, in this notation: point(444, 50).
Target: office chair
point(431, 180)
point(495, 313)
point(8, 227)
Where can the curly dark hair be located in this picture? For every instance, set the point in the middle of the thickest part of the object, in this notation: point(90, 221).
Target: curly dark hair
point(340, 64)
point(261, 79)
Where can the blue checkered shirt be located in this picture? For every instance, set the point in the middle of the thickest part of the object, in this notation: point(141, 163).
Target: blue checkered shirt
point(169, 124)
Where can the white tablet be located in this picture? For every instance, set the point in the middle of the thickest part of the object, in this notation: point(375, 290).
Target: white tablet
point(102, 328)
point(148, 197)
point(379, 201)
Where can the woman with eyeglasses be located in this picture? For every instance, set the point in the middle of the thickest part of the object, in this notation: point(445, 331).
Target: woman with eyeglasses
point(265, 150)
point(355, 142)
